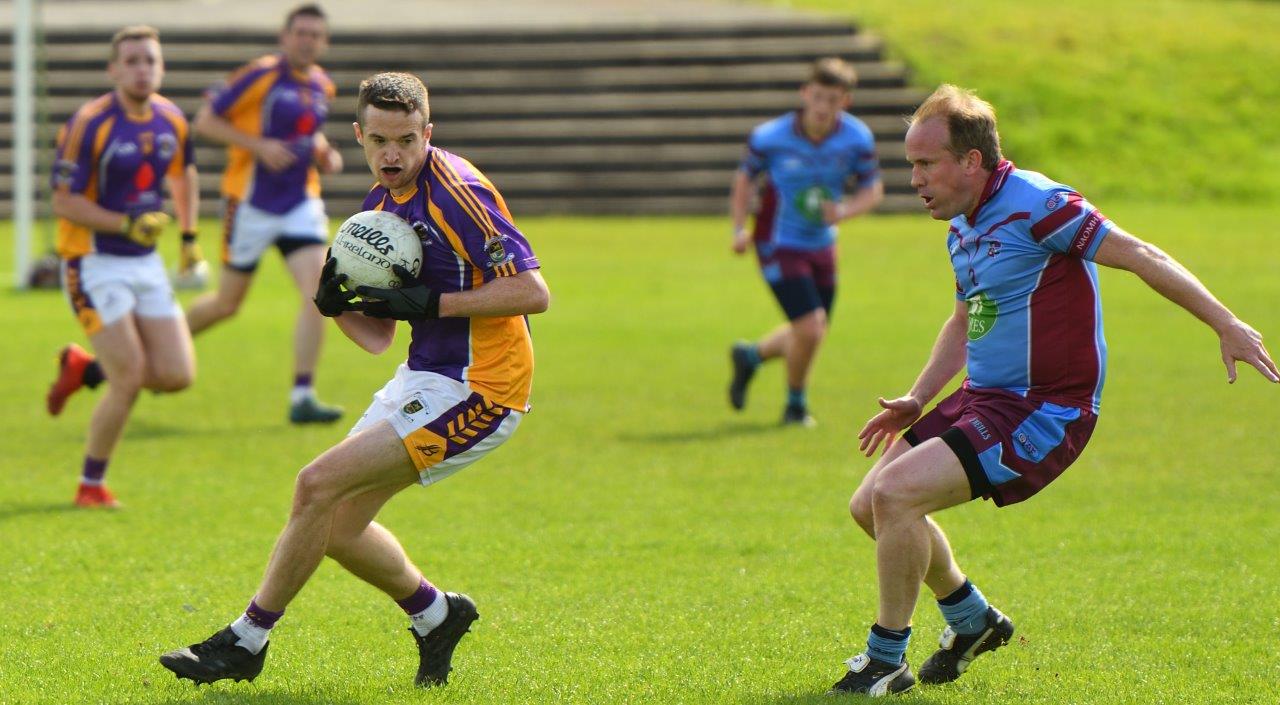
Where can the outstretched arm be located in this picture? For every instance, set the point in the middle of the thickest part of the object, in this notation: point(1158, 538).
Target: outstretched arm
point(947, 358)
point(1163, 273)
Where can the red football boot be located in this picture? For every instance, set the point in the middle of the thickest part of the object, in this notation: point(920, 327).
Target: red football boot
point(96, 497)
point(71, 364)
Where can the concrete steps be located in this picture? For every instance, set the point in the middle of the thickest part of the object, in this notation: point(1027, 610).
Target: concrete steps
point(563, 121)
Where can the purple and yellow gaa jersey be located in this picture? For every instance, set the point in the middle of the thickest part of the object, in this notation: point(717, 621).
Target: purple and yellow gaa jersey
point(118, 161)
point(1023, 261)
point(802, 173)
point(468, 238)
point(267, 98)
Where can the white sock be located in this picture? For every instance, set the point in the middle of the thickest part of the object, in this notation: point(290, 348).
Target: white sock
point(252, 637)
point(432, 617)
point(300, 394)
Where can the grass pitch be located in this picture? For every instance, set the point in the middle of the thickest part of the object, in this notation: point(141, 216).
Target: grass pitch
point(639, 542)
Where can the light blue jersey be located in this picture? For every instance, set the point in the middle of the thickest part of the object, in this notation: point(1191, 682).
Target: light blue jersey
point(1023, 262)
point(804, 173)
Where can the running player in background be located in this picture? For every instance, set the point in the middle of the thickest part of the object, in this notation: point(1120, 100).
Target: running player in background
point(819, 167)
point(270, 114)
point(112, 157)
point(460, 394)
point(1027, 325)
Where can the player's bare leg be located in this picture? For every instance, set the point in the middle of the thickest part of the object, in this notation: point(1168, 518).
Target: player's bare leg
point(369, 461)
point(121, 355)
point(171, 359)
point(304, 265)
point(217, 306)
point(365, 548)
point(924, 479)
point(806, 336)
point(942, 576)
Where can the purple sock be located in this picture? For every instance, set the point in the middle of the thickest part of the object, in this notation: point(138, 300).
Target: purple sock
point(302, 379)
point(420, 599)
point(94, 471)
point(264, 619)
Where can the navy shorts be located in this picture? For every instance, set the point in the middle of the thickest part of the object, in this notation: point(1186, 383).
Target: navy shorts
point(1010, 446)
point(802, 281)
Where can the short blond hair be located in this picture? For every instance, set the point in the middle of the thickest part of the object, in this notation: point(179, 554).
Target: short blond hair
point(130, 33)
point(971, 122)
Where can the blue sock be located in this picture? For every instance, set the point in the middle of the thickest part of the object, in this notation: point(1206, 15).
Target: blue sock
point(796, 398)
point(753, 355)
point(965, 609)
point(888, 645)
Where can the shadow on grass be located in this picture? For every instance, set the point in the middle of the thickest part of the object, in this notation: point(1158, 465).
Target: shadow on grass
point(13, 511)
point(915, 695)
point(698, 435)
point(210, 696)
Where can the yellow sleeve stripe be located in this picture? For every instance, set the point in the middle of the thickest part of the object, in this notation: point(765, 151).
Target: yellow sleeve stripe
point(454, 240)
point(454, 183)
point(80, 123)
point(248, 120)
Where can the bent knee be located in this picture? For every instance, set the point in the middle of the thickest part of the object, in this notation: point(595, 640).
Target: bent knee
point(175, 381)
point(860, 508)
point(811, 326)
point(314, 489)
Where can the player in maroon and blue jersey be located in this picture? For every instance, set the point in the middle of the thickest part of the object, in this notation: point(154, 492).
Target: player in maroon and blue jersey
point(1028, 325)
point(270, 114)
point(113, 158)
point(817, 167)
point(459, 395)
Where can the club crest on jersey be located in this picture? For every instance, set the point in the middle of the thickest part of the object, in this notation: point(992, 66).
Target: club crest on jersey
point(496, 250)
point(993, 248)
point(413, 407)
point(1053, 202)
point(64, 171)
point(426, 233)
point(166, 145)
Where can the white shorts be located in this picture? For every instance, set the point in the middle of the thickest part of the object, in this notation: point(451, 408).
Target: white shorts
point(103, 289)
point(250, 231)
point(444, 425)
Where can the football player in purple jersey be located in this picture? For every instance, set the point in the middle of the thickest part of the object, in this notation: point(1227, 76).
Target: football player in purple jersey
point(459, 395)
point(113, 158)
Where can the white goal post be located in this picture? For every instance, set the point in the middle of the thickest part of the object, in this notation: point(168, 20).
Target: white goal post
point(24, 137)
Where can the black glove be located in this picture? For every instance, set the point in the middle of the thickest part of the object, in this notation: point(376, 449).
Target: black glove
point(408, 303)
point(331, 298)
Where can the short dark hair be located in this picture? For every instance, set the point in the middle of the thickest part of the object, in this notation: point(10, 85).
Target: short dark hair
point(393, 91)
point(131, 33)
point(833, 72)
point(310, 9)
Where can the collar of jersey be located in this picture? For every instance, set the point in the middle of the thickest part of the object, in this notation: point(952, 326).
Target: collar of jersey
point(144, 118)
point(798, 126)
point(995, 182)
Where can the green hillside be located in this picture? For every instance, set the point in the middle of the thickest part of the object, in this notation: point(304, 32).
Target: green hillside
point(1167, 100)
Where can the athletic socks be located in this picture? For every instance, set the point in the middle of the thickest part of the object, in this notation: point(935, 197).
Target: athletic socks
point(965, 609)
point(94, 471)
point(888, 645)
point(254, 626)
point(302, 388)
point(796, 398)
point(93, 375)
point(426, 607)
point(753, 355)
